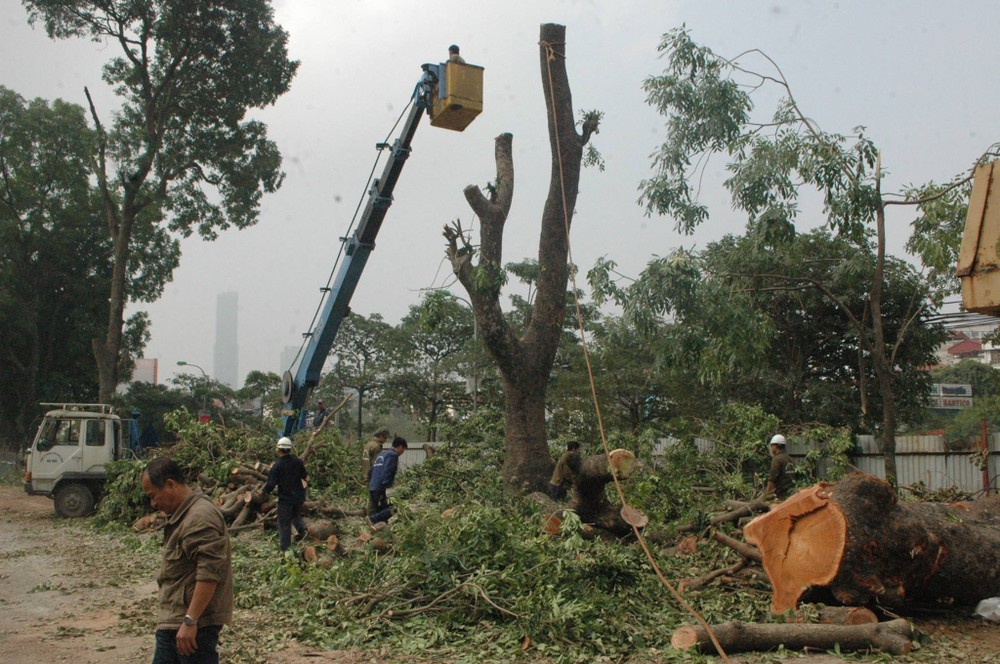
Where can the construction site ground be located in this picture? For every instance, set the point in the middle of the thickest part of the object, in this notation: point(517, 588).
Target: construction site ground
point(69, 593)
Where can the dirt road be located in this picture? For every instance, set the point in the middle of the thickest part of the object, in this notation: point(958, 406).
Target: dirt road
point(58, 600)
point(71, 594)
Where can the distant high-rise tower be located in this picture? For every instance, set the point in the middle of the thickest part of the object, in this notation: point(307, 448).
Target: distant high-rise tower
point(227, 348)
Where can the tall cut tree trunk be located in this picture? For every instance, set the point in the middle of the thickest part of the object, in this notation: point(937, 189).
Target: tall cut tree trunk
point(524, 363)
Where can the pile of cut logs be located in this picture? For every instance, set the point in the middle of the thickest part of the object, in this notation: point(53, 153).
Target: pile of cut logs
point(244, 505)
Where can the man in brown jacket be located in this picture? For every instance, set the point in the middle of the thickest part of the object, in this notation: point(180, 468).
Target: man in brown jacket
point(565, 472)
point(196, 578)
point(372, 449)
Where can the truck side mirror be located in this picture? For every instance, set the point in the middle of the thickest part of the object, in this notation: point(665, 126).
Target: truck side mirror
point(43, 446)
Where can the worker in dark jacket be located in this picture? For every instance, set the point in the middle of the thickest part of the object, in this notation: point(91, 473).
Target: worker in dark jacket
point(779, 479)
point(383, 475)
point(288, 473)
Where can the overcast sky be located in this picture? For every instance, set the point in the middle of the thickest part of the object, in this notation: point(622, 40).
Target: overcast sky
point(920, 75)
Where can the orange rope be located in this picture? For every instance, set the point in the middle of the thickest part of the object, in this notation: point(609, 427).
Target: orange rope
point(551, 55)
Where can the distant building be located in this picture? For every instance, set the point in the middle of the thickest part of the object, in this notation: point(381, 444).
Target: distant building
point(147, 370)
point(227, 348)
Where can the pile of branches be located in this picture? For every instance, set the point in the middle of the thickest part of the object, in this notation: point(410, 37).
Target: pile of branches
point(240, 498)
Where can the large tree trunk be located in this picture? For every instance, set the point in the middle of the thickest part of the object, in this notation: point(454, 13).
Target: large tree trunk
point(856, 540)
point(525, 362)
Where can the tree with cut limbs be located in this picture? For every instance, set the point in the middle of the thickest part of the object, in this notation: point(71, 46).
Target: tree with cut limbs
point(708, 103)
point(180, 155)
point(524, 362)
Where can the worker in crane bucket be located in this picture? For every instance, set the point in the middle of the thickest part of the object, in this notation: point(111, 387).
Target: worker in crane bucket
point(779, 479)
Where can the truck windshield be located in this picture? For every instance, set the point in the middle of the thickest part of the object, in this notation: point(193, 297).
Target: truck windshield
point(60, 432)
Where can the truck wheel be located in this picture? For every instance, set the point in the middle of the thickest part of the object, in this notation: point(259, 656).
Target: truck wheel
point(73, 500)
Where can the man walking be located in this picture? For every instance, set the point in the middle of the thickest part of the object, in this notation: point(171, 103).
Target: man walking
point(383, 476)
point(196, 578)
point(288, 473)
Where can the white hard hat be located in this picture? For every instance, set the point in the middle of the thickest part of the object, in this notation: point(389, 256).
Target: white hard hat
point(285, 443)
point(778, 439)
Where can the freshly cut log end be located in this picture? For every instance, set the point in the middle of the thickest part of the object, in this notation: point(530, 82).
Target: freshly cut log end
point(623, 463)
point(801, 543)
point(552, 524)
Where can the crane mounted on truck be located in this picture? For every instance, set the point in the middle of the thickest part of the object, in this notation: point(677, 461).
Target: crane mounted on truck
point(451, 94)
point(67, 456)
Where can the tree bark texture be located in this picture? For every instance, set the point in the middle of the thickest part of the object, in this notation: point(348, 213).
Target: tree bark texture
point(857, 540)
point(525, 363)
point(893, 637)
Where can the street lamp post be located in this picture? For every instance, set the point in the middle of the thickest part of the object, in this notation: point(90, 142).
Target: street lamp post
point(203, 415)
point(475, 341)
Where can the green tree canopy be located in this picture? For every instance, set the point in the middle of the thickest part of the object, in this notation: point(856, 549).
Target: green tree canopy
point(180, 155)
point(708, 103)
point(359, 361)
point(54, 267)
point(432, 357)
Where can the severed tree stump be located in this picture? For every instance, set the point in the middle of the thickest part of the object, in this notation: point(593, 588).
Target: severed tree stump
point(590, 496)
point(893, 637)
point(590, 499)
point(855, 539)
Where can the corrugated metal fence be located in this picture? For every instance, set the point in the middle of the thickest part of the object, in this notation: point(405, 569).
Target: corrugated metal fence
point(416, 453)
point(919, 459)
point(924, 459)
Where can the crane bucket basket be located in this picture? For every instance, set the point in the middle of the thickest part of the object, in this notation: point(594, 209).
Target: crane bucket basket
point(460, 98)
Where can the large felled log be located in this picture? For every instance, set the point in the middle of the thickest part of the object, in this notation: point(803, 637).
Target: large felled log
point(856, 540)
point(893, 637)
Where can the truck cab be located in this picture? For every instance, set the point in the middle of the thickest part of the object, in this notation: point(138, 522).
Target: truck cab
point(67, 457)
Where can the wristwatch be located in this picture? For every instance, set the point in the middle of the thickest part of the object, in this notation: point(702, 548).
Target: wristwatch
point(190, 622)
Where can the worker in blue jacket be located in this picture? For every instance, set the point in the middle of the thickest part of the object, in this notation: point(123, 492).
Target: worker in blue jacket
point(383, 475)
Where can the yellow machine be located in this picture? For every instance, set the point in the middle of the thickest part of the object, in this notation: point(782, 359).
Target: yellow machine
point(978, 258)
point(460, 96)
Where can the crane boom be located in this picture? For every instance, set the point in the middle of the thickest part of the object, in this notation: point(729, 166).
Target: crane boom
point(445, 92)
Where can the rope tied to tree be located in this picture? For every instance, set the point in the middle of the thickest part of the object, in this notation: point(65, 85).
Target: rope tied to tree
point(551, 53)
point(550, 56)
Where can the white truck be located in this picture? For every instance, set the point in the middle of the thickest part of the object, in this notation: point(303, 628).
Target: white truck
point(67, 457)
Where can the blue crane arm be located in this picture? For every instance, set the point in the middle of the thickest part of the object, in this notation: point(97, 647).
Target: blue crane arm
point(357, 249)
